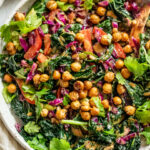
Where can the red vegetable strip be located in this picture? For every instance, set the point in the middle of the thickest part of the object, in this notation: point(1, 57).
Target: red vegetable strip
point(47, 44)
point(119, 51)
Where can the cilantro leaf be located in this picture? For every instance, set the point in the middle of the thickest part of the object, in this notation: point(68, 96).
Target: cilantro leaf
point(56, 144)
point(98, 104)
point(120, 78)
point(66, 100)
point(31, 127)
point(138, 69)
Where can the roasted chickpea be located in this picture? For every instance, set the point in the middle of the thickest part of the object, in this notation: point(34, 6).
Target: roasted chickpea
point(85, 106)
point(110, 13)
point(75, 105)
point(64, 84)
point(61, 114)
point(92, 104)
point(119, 64)
point(125, 37)
point(10, 47)
point(147, 45)
point(121, 89)
point(125, 73)
point(79, 37)
point(66, 76)
point(115, 30)
point(95, 111)
point(109, 77)
point(11, 88)
point(44, 78)
point(83, 94)
point(127, 49)
point(130, 110)
point(54, 121)
point(94, 19)
point(74, 95)
point(107, 88)
point(29, 114)
point(71, 1)
point(78, 85)
point(44, 112)
point(134, 22)
point(117, 100)
point(88, 85)
point(19, 16)
point(36, 79)
point(101, 11)
point(105, 40)
point(116, 36)
point(56, 75)
point(76, 57)
point(51, 5)
point(85, 116)
point(93, 92)
point(7, 78)
point(105, 103)
point(76, 66)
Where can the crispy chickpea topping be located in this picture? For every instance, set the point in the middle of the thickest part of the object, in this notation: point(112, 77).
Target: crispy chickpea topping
point(56, 75)
point(74, 95)
point(93, 92)
point(117, 100)
point(7, 78)
point(130, 110)
point(107, 88)
point(78, 86)
point(121, 89)
point(11, 88)
point(125, 73)
point(109, 77)
point(75, 105)
point(36, 79)
point(44, 112)
point(61, 114)
point(66, 76)
point(101, 11)
point(105, 103)
point(88, 85)
point(85, 115)
point(44, 78)
point(94, 19)
point(119, 64)
point(76, 66)
point(51, 5)
point(79, 37)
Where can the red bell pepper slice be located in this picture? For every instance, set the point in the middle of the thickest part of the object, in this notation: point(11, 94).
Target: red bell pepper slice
point(98, 32)
point(58, 94)
point(47, 44)
point(34, 49)
point(53, 14)
point(87, 39)
point(20, 84)
point(119, 51)
point(71, 17)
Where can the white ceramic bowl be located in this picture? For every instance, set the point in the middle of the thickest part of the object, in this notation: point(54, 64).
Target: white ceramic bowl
point(8, 117)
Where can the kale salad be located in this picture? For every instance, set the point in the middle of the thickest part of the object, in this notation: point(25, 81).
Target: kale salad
point(77, 73)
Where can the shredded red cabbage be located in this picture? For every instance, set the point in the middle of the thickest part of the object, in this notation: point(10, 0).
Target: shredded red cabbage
point(71, 44)
point(64, 91)
point(103, 3)
point(114, 24)
point(101, 96)
point(55, 28)
point(49, 22)
point(31, 37)
point(95, 119)
point(77, 3)
point(56, 102)
point(18, 127)
point(41, 32)
point(111, 63)
point(114, 110)
point(51, 114)
point(123, 140)
point(21, 98)
point(32, 72)
point(24, 44)
point(61, 17)
point(67, 27)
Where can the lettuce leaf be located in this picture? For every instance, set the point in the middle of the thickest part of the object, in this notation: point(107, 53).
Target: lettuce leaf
point(146, 133)
point(31, 127)
point(138, 69)
point(56, 144)
point(38, 143)
point(98, 104)
point(64, 6)
point(88, 4)
point(143, 113)
point(30, 23)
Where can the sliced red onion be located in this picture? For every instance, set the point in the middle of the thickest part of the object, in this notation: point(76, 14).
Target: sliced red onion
point(64, 91)
point(51, 114)
point(56, 102)
point(24, 63)
point(134, 6)
point(41, 32)
point(31, 73)
point(127, 6)
point(67, 27)
point(103, 3)
point(77, 3)
point(114, 24)
point(114, 110)
point(24, 44)
point(121, 141)
point(101, 96)
point(71, 44)
point(18, 127)
point(111, 62)
point(114, 53)
point(49, 22)
point(106, 67)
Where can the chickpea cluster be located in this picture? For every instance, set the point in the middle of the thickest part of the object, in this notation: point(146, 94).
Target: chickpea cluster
point(37, 79)
point(79, 100)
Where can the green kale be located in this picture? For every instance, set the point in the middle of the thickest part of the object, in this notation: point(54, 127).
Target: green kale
point(75, 27)
point(50, 96)
point(106, 26)
point(21, 73)
point(118, 7)
point(56, 144)
point(38, 143)
point(31, 127)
